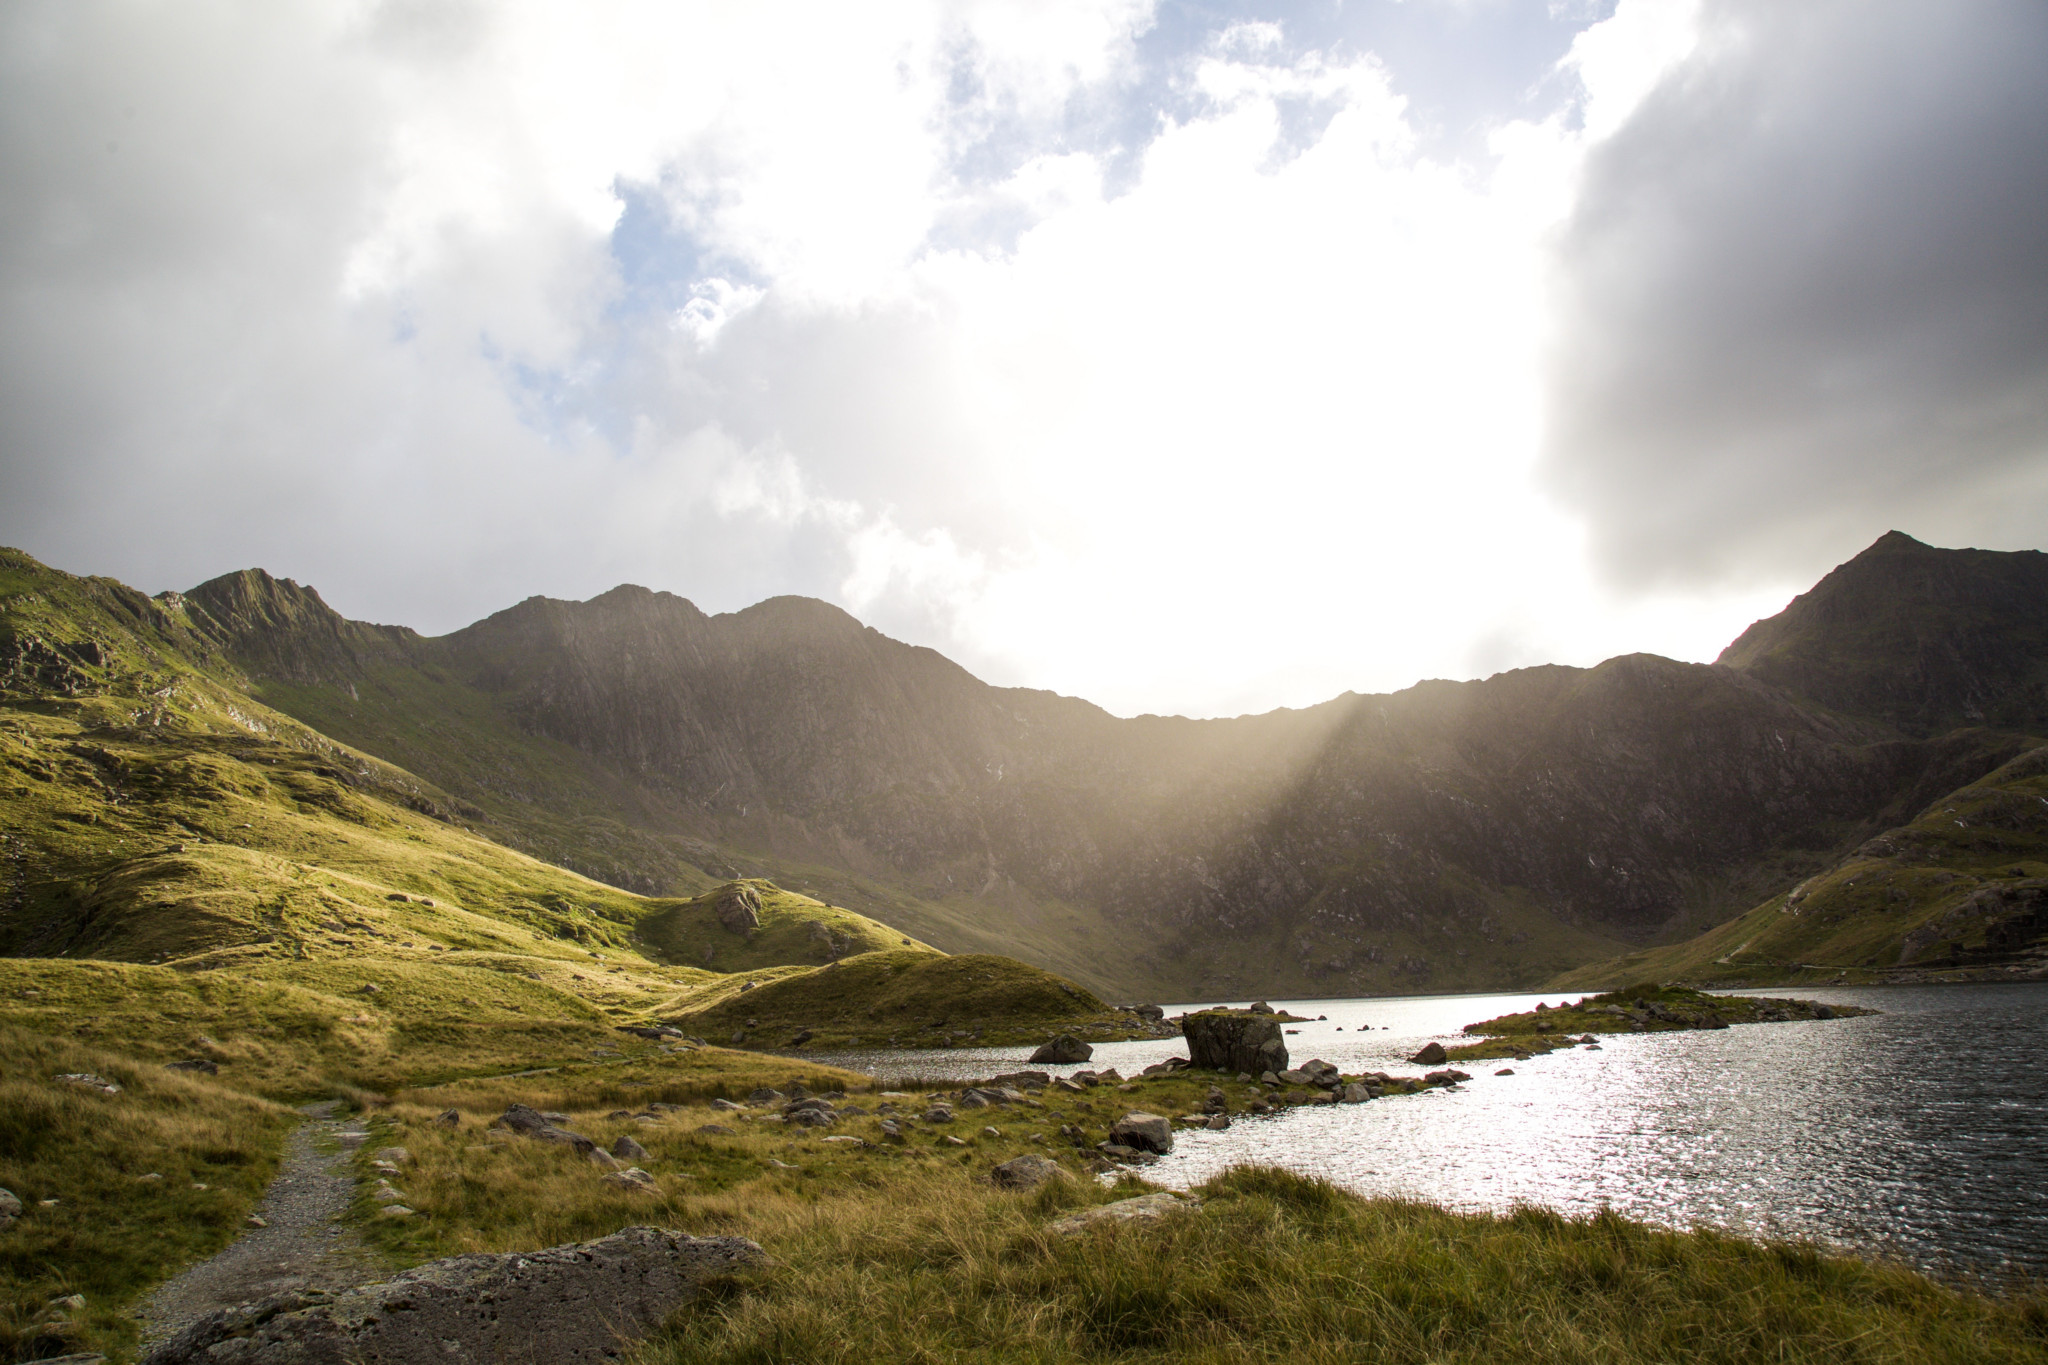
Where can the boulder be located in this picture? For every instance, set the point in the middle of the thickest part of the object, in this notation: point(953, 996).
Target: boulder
point(1261, 1007)
point(1235, 1040)
point(1432, 1054)
point(1063, 1049)
point(1150, 1013)
point(449, 1118)
point(534, 1124)
point(1146, 1208)
point(632, 1178)
point(625, 1149)
point(739, 908)
point(1027, 1173)
point(571, 1304)
point(1142, 1131)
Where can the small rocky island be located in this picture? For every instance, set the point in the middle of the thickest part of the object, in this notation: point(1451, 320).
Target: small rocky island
point(1646, 1008)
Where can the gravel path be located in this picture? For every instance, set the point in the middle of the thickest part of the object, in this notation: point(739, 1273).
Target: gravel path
point(305, 1245)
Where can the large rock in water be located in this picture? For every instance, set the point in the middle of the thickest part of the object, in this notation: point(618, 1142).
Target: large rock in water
point(1065, 1048)
point(566, 1304)
point(1235, 1040)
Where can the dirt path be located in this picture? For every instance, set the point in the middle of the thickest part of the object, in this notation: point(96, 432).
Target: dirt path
point(305, 1245)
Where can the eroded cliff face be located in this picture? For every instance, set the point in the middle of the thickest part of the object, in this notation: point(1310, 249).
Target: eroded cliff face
point(1433, 837)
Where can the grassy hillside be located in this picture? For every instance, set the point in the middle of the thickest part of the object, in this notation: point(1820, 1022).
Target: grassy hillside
point(1959, 893)
point(908, 998)
point(789, 927)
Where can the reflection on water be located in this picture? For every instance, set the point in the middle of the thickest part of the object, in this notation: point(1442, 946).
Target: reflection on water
point(1917, 1131)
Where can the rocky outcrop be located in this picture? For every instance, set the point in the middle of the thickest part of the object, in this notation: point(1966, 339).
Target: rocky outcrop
point(568, 1304)
point(1026, 1173)
point(1146, 1208)
point(1063, 1049)
point(1235, 1040)
point(739, 908)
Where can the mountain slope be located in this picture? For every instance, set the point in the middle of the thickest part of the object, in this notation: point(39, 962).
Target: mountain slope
point(1454, 834)
point(1921, 638)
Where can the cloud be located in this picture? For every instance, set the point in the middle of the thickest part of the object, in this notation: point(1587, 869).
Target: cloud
point(1803, 293)
point(1173, 369)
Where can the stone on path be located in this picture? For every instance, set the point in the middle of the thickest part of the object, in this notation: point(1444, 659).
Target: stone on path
point(577, 1305)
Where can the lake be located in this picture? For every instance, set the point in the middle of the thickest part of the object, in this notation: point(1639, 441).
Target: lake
point(1919, 1133)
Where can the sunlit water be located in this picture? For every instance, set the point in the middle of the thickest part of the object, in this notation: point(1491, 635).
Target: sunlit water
point(1921, 1132)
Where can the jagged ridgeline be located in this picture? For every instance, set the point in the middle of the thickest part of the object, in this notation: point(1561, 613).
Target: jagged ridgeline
point(1454, 835)
point(196, 876)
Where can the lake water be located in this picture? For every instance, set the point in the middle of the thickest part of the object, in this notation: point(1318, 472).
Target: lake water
point(1920, 1133)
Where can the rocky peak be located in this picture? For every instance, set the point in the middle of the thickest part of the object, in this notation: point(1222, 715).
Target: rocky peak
point(1922, 638)
point(274, 627)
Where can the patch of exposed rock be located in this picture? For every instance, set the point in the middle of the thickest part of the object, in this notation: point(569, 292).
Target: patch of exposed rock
point(568, 1304)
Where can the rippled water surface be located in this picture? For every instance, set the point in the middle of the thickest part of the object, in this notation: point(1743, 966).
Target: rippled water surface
point(1921, 1131)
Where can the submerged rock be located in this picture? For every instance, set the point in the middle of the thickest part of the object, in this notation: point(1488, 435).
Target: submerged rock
point(1063, 1049)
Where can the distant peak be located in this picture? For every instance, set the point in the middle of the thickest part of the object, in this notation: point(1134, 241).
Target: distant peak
point(1894, 542)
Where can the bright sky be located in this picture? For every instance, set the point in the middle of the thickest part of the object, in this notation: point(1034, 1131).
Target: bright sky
point(1185, 357)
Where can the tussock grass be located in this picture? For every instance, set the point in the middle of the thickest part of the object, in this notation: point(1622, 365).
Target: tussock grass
point(1279, 1267)
point(111, 1235)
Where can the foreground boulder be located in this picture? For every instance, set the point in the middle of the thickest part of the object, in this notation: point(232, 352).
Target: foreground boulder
point(1065, 1048)
point(1235, 1040)
point(566, 1304)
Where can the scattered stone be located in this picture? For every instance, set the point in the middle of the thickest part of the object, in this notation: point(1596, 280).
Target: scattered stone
point(10, 1208)
point(1150, 1013)
point(1261, 1007)
point(572, 1304)
point(632, 1178)
point(397, 1156)
point(992, 1132)
point(1142, 1131)
point(766, 1096)
point(938, 1113)
point(1505, 1071)
point(1230, 1040)
point(1063, 1049)
point(199, 1064)
point(1027, 1173)
point(1062, 1083)
point(394, 1211)
point(1022, 1080)
point(1146, 1208)
point(257, 1220)
point(1432, 1054)
point(723, 1106)
point(951, 1141)
point(803, 1035)
point(85, 1080)
point(1217, 1122)
point(714, 1128)
point(153, 1175)
point(775, 1165)
point(625, 1149)
point(1357, 1092)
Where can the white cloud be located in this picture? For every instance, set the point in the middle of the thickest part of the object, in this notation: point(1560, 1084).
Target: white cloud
point(1252, 421)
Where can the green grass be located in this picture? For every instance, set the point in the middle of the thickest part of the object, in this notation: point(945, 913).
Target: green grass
point(909, 998)
point(793, 928)
point(1647, 1008)
point(1904, 905)
point(111, 1235)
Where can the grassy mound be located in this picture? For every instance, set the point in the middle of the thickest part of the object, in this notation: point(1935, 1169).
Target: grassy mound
point(1647, 1008)
point(908, 998)
point(110, 1235)
point(792, 928)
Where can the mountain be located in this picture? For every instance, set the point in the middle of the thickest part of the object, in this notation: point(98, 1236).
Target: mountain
point(1450, 835)
point(1454, 835)
point(1923, 639)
